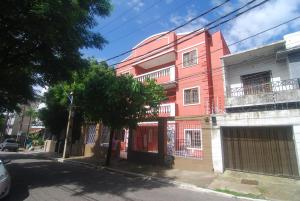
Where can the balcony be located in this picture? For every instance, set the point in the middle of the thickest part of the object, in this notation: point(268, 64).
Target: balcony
point(164, 76)
point(262, 94)
point(166, 110)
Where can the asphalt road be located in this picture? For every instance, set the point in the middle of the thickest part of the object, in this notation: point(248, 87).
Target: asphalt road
point(38, 179)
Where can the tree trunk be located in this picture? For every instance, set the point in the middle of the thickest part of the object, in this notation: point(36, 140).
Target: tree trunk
point(108, 155)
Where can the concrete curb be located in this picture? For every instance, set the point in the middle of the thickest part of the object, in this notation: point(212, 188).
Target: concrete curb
point(181, 185)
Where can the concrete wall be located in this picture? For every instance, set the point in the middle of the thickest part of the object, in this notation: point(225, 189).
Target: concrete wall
point(217, 49)
point(216, 147)
point(203, 164)
point(264, 98)
point(294, 63)
point(195, 77)
point(264, 118)
point(94, 149)
point(279, 70)
point(296, 129)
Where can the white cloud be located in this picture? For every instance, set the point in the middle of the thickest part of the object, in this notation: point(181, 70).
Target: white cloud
point(261, 18)
point(178, 20)
point(226, 8)
point(136, 4)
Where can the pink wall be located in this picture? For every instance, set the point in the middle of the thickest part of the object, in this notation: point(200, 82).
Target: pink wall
point(192, 76)
point(206, 74)
point(218, 49)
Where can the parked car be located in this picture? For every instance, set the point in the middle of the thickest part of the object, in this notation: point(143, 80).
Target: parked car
point(9, 145)
point(5, 180)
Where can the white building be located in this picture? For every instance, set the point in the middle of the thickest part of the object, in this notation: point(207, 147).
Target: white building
point(260, 131)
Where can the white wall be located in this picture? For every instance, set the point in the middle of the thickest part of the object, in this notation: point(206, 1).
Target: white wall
point(296, 130)
point(279, 70)
point(217, 154)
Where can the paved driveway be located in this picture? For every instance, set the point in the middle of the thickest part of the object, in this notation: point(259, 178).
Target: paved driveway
point(38, 179)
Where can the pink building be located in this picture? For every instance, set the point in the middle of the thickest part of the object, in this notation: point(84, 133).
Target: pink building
point(188, 67)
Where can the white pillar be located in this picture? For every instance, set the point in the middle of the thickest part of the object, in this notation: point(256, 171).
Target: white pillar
point(216, 145)
point(172, 73)
point(296, 129)
point(172, 109)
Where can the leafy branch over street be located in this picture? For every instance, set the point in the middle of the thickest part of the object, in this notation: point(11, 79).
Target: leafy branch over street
point(40, 43)
point(100, 95)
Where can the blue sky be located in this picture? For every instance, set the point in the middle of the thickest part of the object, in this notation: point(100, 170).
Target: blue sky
point(131, 21)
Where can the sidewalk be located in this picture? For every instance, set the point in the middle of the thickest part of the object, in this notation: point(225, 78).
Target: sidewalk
point(255, 185)
point(235, 183)
point(174, 175)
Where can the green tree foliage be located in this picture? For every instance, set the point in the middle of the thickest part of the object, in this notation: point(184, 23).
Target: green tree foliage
point(36, 138)
point(118, 101)
point(55, 114)
point(40, 43)
point(32, 114)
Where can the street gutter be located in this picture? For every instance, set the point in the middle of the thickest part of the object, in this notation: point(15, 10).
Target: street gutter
point(181, 185)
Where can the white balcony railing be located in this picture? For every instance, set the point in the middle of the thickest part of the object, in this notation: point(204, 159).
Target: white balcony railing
point(164, 72)
point(167, 109)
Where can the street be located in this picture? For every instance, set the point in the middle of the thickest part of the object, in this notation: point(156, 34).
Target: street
point(37, 179)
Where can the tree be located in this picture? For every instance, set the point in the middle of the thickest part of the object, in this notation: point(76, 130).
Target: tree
point(2, 125)
point(55, 114)
point(118, 101)
point(40, 43)
point(32, 114)
point(99, 95)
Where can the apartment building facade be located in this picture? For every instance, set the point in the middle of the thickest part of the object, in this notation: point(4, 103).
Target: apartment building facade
point(260, 131)
point(183, 65)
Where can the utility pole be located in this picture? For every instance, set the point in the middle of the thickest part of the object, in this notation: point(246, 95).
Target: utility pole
point(69, 127)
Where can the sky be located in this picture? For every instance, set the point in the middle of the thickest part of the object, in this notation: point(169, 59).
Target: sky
point(131, 21)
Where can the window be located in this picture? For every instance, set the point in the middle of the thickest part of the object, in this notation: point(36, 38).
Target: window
point(11, 141)
point(190, 58)
point(191, 96)
point(91, 134)
point(192, 138)
point(125, 74)
point(256, 83)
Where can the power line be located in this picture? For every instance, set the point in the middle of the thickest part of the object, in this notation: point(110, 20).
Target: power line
point(133, 17)
point(202, 14)
point(234, 43)
point(197, 31)
point(116, 18)
point(146, 25)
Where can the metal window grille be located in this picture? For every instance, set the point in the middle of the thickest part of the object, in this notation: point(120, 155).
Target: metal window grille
point(191, 96)
point(190, 58)
point(192, 138)
point(91, 134)
point(188, 140)
point(276, 86)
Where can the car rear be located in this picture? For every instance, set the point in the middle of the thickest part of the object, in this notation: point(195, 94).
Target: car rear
point(10, 145)
point(5, 181)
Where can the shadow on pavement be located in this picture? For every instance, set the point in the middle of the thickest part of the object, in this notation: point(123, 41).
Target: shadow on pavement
point(29, 173)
